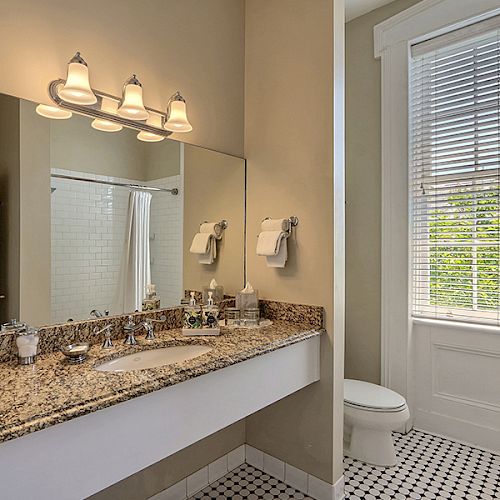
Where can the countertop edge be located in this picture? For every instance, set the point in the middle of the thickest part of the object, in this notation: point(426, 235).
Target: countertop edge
point(68, 413)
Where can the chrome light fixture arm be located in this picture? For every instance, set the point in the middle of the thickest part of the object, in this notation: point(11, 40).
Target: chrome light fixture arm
point(95, 111)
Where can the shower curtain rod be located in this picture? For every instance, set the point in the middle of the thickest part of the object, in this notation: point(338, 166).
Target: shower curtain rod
point(173, 191)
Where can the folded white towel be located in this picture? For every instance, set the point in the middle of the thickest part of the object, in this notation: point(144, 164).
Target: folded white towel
point(268, 242)
point(272, 242)
point(204, 243)
point(274, 225)
point(201, 243)
point(279, 260)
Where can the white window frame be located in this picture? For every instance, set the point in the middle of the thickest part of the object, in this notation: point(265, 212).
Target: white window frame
point(393, 38)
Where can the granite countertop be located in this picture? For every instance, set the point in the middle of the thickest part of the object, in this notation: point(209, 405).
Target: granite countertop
point(52, 391)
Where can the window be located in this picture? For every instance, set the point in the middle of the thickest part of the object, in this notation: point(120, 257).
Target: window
point(455, 175)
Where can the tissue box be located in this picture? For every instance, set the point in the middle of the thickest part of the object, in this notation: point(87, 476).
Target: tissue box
point(247, 300)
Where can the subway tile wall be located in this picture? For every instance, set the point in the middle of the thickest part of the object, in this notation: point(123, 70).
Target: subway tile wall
point(88, 232)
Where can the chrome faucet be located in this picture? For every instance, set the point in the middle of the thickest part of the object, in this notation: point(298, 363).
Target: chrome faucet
point(148, 325)
point(98, 314)
point(130, 328)
point(108, 343)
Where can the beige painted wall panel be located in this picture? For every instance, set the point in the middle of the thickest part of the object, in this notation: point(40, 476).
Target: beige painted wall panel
point(34, 216)
point(9, 207)
point(172, 469)
point(75, 145)
point(163, 159)
point(363, 191)
point(288, 146)
point(193, 46)
point(214, 189)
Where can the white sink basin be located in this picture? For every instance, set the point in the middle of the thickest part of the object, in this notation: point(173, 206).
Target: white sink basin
point(153, 358)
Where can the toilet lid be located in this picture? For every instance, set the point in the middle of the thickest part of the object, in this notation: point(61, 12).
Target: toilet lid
point(371, 396)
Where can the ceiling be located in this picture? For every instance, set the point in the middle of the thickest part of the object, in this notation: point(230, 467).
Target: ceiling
point(356, 8)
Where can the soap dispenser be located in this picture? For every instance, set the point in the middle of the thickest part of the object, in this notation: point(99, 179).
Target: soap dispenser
point(210, 313)
point(192, 314)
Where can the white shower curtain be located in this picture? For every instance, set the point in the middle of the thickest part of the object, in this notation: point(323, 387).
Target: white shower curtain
point(135, 271)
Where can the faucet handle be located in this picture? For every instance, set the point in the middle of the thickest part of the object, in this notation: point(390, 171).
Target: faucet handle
point(13, 327)
point(108, 343)
point(148, 325)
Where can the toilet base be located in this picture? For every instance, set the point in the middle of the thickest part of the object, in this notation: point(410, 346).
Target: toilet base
point(372, 446)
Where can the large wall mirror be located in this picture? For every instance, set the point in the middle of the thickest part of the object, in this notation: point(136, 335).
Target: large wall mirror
point(89, 218)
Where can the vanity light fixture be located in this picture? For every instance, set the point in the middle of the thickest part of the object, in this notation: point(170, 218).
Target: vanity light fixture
point(107, 106)
point(77, 88)
point(177, 120)
point(155, 121)
point(53, 112)
point(112, 113)
point(132, 106)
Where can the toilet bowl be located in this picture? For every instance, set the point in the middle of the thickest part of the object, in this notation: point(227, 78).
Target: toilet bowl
point(371, 413)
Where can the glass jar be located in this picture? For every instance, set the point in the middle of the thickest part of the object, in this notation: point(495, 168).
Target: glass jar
point(251, 316)
point(232, 315)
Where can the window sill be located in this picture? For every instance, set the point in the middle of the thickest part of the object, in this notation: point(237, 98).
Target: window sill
point(441, 323)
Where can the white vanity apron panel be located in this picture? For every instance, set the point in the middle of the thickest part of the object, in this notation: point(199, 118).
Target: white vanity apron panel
point(78, 458)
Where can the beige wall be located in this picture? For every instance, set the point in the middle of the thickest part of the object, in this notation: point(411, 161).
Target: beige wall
point(214, 189)
point(24, 245)
point(193, 46)
point(75, 145)
point(163, 159)
point(363, 190)
point(9, 207)
point(34, 216)
point(289, 151)
point(172, 469)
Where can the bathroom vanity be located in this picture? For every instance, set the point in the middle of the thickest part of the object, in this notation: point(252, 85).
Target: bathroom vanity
point(68, 431)
point(59, 419)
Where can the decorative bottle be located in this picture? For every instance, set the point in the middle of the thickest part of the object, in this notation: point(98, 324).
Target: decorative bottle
point(192, 314)
point(210, 313)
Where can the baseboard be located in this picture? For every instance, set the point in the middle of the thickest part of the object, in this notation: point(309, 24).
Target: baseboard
point(479, 436)
point(290, 475)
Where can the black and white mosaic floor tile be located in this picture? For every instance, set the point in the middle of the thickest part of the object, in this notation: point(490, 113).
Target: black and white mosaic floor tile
point(247, 482)
point(430, 468)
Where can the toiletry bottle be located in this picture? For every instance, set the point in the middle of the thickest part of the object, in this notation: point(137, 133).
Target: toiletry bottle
point(210, 313)
point(151, 301)
point(192, 314)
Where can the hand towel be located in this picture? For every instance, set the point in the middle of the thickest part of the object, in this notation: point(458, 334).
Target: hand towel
point(272, 242)
point(204, 244)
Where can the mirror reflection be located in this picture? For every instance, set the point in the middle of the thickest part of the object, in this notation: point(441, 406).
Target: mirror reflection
point(113, 218)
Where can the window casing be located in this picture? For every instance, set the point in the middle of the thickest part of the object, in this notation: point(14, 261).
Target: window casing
point(455, 179)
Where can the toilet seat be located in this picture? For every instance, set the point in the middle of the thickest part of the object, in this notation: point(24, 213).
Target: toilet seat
point(371, 397)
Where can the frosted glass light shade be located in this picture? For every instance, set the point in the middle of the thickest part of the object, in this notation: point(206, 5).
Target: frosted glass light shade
point(154, 120)
point(105, 125)
point(132, 106)
point(108, 106)
point(77, 88)
point(177, 117)
point(53, 112)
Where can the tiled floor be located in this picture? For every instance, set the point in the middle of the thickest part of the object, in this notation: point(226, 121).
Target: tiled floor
point(430, 467)
point(249, 483)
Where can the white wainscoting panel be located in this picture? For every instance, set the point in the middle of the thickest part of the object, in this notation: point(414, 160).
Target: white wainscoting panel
point(457, 382)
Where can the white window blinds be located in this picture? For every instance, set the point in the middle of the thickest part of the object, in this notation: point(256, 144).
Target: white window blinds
point(455, 178)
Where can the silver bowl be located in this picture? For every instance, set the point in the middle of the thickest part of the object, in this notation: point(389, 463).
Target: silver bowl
point(77, 352)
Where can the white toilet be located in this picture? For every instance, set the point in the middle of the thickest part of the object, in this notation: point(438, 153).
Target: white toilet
point(371, 412)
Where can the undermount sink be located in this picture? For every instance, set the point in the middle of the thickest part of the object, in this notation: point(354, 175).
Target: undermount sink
point(153, 358)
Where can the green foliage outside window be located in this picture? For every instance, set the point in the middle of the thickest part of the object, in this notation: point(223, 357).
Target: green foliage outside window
point(465, 251)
